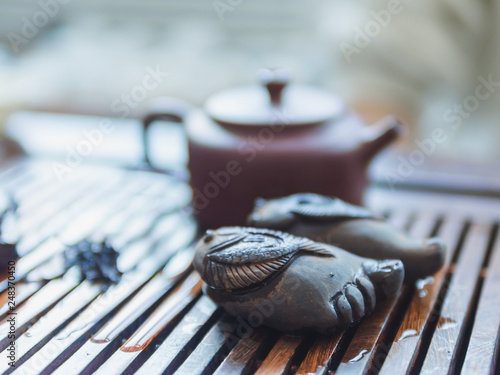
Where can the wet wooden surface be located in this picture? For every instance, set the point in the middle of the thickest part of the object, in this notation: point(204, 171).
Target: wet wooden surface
point(445, 348)
point(483, 351)
point(418, 318)
point(279, 359)
point(157, 321)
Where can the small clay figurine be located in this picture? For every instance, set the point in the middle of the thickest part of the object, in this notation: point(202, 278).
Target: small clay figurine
point(352, 228)
point(8, 231)
point(291, 283)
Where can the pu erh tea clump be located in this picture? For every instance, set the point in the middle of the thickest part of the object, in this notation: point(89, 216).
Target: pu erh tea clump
point(304, 285)
point(97, 261)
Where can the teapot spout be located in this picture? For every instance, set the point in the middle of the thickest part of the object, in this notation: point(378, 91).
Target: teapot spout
point(380, 135)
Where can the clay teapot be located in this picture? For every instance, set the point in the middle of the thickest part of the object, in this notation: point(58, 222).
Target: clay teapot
point(270, 140)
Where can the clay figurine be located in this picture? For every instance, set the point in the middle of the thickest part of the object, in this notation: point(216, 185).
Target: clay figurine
point(352, 228)
point(290, 283)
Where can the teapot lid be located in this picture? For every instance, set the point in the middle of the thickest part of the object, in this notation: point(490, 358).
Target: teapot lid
point(273, 102)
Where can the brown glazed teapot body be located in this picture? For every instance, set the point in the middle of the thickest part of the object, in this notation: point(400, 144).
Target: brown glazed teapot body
point(271, 142)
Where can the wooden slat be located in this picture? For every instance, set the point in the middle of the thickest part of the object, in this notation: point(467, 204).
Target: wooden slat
point(368, 347)
point(212, 349)
point(96, 348)
point(42, 254)
point(36, 305)
point(418, 318)
point(22, 293)
point(481, 210)
point(84, 322)
point(33, 196)
point(483, 352)
point(458, 303)
point(143, 300)
point(141, 225)
point(279, 359)
point(64, 310)
point(176, 302)
point(320, 355)
point(131, 254)
point(200, 339)
point(242, 359)
point(37, 214)
point(170, 308)
point(102, 200)
point(120, 219)
point(183, 338)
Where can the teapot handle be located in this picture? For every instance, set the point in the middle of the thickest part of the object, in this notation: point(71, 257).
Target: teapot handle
point(166, 109)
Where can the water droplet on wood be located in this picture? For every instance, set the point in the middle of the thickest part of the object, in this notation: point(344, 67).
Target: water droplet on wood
point(407, 333)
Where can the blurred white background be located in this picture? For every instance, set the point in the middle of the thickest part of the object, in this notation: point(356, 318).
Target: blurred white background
point(90, 53)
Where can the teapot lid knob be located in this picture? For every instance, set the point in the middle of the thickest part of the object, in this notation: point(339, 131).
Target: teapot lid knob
point(273, 100)
point(275, 81)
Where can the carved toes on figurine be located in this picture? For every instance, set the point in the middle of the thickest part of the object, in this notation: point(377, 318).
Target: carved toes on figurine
point(290, 283)
point(352, 228)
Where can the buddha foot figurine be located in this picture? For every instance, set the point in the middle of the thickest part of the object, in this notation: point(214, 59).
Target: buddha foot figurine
point(291, 283)
point(352, 228)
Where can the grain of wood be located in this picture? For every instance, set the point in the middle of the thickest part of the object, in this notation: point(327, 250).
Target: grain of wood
point(242, 357)
point(279, 359)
